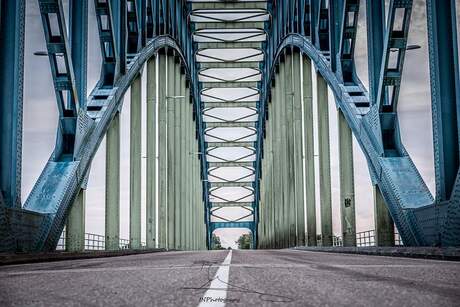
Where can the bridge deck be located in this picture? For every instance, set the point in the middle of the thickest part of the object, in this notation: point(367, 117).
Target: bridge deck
point(256, 278)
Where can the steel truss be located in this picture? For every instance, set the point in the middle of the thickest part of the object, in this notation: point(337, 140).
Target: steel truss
point(131, 31)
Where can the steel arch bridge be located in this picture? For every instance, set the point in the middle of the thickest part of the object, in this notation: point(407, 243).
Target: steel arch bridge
point(229, 87)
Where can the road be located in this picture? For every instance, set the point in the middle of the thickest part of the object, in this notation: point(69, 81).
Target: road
point(244, 278)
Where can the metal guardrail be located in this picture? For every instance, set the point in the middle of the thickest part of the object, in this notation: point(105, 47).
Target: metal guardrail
point(94, 242)
point(363, 238)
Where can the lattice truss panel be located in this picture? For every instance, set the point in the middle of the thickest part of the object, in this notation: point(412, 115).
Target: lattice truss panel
point(229, 53)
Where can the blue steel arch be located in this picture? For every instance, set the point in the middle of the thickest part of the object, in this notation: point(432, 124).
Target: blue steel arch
point(317, 28)
point(420, 220)
point(63, 179)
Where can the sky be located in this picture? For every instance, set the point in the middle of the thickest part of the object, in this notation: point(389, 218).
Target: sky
point(41, 117)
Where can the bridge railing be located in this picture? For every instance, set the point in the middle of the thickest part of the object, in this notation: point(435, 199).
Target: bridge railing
point(363, 238)
point(94, 242)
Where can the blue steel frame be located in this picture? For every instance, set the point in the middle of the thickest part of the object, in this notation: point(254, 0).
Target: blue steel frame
point(131, 31)
point(373, 117)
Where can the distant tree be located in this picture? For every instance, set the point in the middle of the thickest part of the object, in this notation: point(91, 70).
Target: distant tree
point(244, 242)
point(216, 244)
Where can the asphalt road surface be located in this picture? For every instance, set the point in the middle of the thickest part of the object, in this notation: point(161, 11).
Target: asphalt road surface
point(236, 278)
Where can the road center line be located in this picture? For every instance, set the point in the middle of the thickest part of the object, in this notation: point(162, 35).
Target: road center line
point(216, 294)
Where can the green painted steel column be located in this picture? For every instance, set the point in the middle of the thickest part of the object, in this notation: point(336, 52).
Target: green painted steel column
point(189, 154)
point(283, 157)
point(135, 175)
point(270, 183)
point(384, 227)
point(262, 209)
point(298, 152)
point(171, 151)
point(324, 161)
point(277, 167)
point(289, 98)
point(162, 151)
point(178, 103)
point(183, 155)
point(75, 229)
point(112, 185)
point(347, 187)
point(152, 136)
point(309, 152)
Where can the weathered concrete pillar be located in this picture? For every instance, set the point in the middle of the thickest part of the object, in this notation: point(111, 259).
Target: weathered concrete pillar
point(171, 151)
point(135, 175)
point(298, 150)
point(347, 188)
point(75, 229)
point(324, 161)
point(309, 152)
point(384, 227)
point(152, 137)
point(112, 186)
point(162, 151)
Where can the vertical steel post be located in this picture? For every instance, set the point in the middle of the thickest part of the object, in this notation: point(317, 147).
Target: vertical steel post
point(289, 97)
point(162, 149)
point(297, 153)
point(11, 91)
point(112, 185)
point(183, 154)
point(151, 182)
point(75, 229)
point(78, 12)
point(324, 160)
point(347, 189)
point(283, 155)
point(171, 151)
point(445, 94)
point(384, 227)
point(177, 155)
point(375, 13)
point(135, 162)
point(309, 151)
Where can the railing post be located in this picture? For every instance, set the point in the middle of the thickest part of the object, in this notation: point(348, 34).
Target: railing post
point(152, 137)
point(347, 189)
point(309, 152)
point(135, 163)
point(112, 185)
point(324, 160)
point(75, 229)
point(384, 227)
